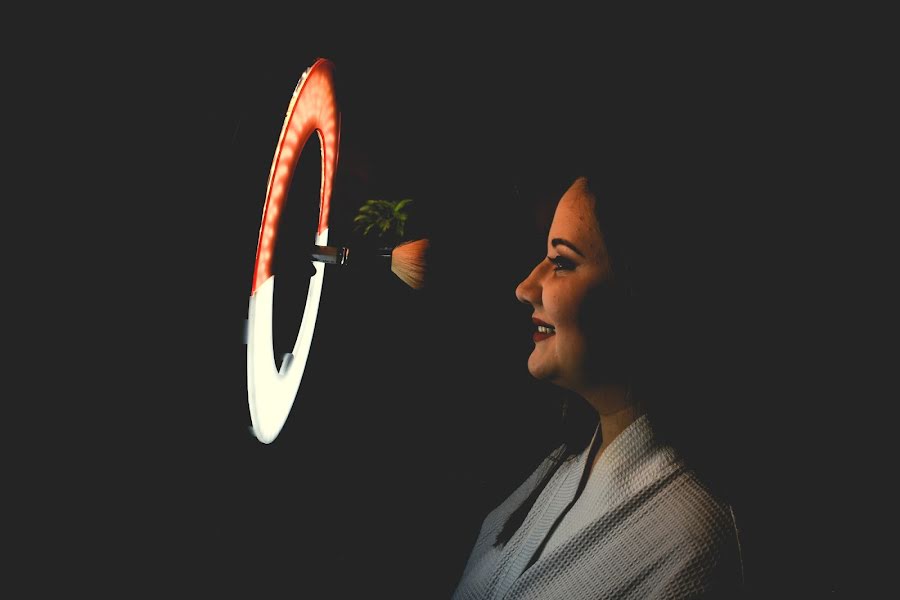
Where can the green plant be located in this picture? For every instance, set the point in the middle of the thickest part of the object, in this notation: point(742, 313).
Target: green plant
point(384, 217)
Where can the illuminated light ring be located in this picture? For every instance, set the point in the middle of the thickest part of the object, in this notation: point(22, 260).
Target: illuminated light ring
point(271, 392)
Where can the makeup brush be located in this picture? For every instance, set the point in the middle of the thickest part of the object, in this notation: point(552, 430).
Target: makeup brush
point(408, 259)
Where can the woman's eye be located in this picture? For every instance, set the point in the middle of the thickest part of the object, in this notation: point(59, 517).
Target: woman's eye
point(561, 264)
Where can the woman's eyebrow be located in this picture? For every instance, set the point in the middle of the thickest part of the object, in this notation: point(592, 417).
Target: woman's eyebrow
point(557, 241)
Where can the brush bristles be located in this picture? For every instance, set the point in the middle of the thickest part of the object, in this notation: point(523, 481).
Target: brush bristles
point(408, 262)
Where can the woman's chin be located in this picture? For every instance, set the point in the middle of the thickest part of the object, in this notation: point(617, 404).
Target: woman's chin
point(539, 369)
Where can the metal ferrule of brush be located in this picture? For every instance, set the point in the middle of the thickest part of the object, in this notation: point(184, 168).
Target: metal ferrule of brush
point(330, 255)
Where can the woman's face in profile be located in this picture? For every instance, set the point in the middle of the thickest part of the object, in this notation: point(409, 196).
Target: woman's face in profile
point(576, 264)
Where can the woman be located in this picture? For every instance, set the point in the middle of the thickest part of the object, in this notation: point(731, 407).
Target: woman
point(618, 513)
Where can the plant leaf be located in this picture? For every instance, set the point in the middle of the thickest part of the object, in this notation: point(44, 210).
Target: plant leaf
point(401, 204)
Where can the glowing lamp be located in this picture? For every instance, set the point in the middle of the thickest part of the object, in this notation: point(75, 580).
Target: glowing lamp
point(271, 391)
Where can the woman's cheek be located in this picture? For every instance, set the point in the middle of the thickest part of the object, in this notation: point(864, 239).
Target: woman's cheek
point(551, 302)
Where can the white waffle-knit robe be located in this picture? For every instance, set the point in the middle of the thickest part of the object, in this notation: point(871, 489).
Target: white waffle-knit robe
point(643, 527)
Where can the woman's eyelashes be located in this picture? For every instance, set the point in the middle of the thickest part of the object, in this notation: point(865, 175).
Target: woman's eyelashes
point(561, 263)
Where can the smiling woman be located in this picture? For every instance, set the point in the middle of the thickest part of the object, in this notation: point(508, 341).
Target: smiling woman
point(617, 510)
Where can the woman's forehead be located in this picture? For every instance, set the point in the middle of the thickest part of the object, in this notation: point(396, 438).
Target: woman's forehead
point(575, 221)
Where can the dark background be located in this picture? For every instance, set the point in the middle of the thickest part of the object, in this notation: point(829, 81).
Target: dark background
point(416, 414)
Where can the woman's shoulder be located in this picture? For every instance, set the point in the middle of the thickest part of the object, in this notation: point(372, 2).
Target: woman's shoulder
point(683, 533)
point(701, 514)
point(700, 528)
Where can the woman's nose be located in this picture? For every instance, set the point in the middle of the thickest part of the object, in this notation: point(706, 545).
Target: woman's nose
point(529, 290)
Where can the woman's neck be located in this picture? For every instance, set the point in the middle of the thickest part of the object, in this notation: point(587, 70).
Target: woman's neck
point(613, 424)
point(616, 411)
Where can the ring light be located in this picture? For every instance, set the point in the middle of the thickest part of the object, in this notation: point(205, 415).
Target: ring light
point(270, 391)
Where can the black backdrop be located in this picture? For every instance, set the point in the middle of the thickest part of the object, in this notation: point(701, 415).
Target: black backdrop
point(416, 414)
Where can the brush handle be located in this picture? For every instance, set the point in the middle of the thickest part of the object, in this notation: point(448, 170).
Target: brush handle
point(342, 256)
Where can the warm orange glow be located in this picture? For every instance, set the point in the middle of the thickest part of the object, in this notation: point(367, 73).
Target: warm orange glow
point(313, 107)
